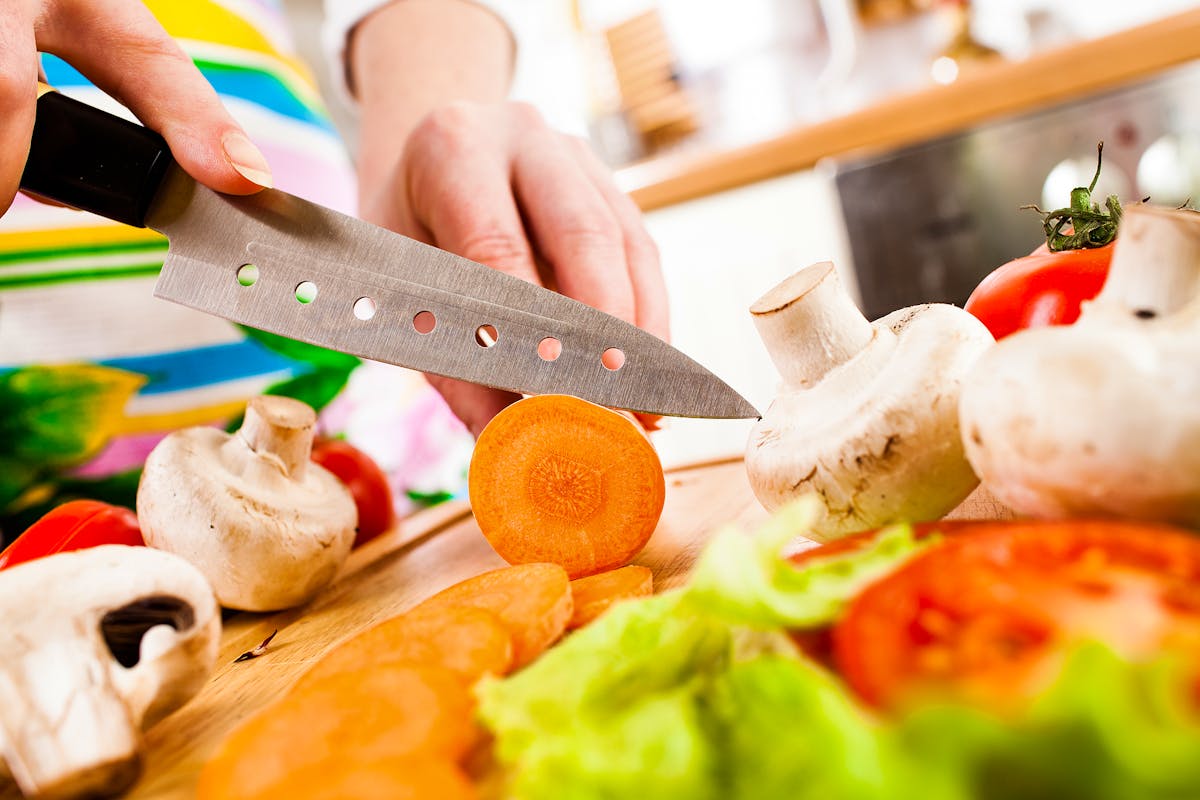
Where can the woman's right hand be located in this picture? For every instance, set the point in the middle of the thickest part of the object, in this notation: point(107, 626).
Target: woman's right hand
point(121, 48)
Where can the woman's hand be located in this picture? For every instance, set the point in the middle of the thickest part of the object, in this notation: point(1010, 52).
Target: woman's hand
point(122, 49)
point(488, 179)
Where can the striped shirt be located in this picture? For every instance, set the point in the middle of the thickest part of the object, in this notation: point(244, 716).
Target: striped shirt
point(83, 340)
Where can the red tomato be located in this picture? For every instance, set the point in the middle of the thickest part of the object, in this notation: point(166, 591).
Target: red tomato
point(817, 643)
point(366, 482)
point(1040, 289)
point(76, 525)
point(988, 617)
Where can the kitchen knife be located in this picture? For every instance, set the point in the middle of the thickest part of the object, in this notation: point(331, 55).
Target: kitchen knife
point(279, 263)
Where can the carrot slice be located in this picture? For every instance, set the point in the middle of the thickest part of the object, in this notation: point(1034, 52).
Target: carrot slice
point(558, 479)
point(344, 778)
point(471, 642)
point(390, 712)
point(595, 594)
point(533, 601)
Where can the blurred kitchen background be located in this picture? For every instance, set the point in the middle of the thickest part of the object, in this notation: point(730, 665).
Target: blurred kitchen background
point(896, 138)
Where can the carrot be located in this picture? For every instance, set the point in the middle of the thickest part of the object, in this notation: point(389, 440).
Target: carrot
point(561, 480)
point(389, 712)
point(344, 778)
point(533, 601)
point(595, 594)
point(471, 642)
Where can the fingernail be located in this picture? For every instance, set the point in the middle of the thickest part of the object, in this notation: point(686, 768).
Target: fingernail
point(247, 159)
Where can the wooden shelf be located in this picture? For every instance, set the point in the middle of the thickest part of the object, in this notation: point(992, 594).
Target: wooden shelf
point(989, 92)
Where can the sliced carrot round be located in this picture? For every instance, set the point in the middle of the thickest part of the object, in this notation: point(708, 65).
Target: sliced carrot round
point(595, 594)
point(346, 779)
point(533, 601)
point(561, 480)
point(471, 642)
point(392, 711)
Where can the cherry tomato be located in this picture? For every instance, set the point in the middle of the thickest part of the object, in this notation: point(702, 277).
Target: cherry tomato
point(988, 617)
point(366, 482)
point(1043, 288)
point(76, 525)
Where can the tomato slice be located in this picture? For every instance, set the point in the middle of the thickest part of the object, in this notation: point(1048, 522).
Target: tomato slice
point(76, 525)
point(989, 617)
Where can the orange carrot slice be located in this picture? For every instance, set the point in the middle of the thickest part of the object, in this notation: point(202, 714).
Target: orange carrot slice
point(533, 601)
point(471, 642)
point(390, 712)
point(345, 778)
point(558, 479)
point(595, 594)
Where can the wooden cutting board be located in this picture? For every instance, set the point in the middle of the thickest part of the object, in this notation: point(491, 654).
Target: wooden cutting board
point(428, 552)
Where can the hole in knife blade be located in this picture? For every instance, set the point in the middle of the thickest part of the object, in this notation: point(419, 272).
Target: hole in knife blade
point(486, 336)
point(364, 308)
point(247, 275)
point(549, 349)
point(424, 322)
point(306, 292)
point(613, 359)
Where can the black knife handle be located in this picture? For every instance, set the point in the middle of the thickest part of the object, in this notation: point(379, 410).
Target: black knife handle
point(87, 158)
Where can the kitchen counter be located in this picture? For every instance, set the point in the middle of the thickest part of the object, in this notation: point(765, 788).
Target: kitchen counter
point(989, 92)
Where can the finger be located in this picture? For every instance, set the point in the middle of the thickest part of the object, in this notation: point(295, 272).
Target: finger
point(572, 225)
point(18, 99)
point(458, 188)
point(459, 195)
point(121, 47)
point(475, 405)
point(641, 253)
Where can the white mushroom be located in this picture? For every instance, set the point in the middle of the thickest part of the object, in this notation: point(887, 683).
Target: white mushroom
point(867, 416)
point(266, 526)
point(1102, 417)
point(97, 645)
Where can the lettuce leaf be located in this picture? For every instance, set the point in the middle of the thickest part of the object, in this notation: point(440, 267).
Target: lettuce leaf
point(744, 579)
point(787, 730)
point(698, 694)
point(1107, 730)
point(637, 650)
point(656, 747)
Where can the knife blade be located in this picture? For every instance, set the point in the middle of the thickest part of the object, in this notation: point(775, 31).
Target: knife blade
point(282, 264)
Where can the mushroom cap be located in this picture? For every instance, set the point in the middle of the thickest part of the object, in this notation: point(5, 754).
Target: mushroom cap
point(1091, 420)
point(265, 540)
point(877, 438)
point(97, 644)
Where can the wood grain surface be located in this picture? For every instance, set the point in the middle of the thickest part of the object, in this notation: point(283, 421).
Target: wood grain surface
point(426, 553)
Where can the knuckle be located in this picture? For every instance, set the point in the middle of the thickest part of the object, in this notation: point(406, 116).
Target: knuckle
point(600, 234)
point(496, 248)
point(16, 91)
point(643, 248)
point(526, 113)
point(447, 128)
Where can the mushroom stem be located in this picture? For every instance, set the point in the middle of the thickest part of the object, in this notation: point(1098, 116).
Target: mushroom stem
point(282, 428)
point(1156, 264)
point(810, 325)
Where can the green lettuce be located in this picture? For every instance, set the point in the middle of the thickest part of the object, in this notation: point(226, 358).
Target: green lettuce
point(637, 650)
point(1107, 730)
point(743, 578)
point(693, 694)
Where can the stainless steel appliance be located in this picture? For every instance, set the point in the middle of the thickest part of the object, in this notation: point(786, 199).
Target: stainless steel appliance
point(926, 223)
